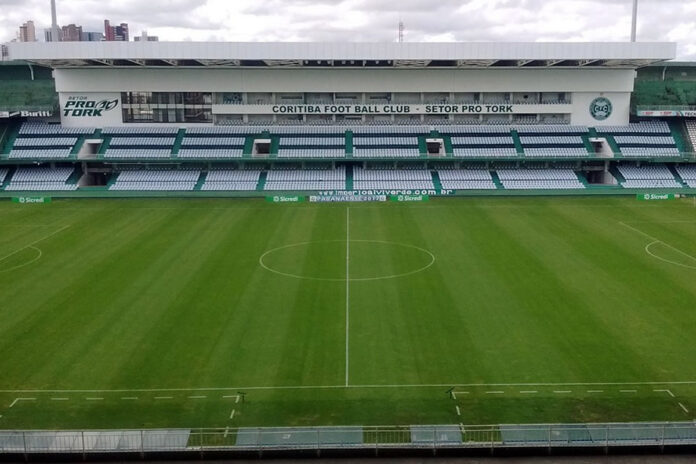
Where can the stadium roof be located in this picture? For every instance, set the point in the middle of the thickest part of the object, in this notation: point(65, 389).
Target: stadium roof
point(304, 54)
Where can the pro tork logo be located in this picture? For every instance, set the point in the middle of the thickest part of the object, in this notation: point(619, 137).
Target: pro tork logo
point(84, 107)
point(601, 108)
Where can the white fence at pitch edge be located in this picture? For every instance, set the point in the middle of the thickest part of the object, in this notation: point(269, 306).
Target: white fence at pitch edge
point(299, 438)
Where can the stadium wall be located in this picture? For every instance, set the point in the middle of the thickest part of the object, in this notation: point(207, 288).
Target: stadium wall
point(583, 85)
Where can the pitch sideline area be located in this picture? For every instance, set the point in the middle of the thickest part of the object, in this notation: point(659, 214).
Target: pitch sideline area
point(534, 310)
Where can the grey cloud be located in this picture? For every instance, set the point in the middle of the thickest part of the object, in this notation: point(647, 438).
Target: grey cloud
point(372, 20)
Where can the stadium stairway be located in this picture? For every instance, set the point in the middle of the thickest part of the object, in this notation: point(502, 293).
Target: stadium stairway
point(678, 130)
point(349, 144)
point(587, 143)
point(518, 142)
point(248, 146)
point(7, 179)
point(78, 146)
point(177, 142)
point(614, 146)
point(496, 181)
point(262, 182)
point(349, 178)
point(436, 180)
point(9, 143)
point(617, 174)
point(201, 181)
point(582, 179)
point(104, 146)
point(676, 175)
point(449, 151)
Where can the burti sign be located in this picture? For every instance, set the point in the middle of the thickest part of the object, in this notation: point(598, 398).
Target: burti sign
point(84, 107)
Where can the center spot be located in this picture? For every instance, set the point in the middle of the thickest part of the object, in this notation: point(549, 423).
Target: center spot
point(367, 260)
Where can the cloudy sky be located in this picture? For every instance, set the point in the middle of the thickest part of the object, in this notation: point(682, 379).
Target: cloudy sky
point(372, 20)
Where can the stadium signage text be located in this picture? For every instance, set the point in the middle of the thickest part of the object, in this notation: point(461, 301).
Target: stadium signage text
point(31, 200)
point(655, 196)
point(668, 113)
point(25, 114)
point(286, 199)
point(392, 109)
point(79, 106)
point(409, 198)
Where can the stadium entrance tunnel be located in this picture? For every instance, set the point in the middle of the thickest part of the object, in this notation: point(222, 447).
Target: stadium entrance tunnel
point(94, 178)
point(355, 260)
point(436, 147)
point(262, 147)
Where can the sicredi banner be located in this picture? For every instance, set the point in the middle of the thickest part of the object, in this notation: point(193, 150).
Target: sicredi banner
point(91, 109)
point(286, 199)
point(655, 196)
point(31, 200)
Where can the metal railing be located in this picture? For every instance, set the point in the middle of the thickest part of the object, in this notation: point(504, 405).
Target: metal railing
point(318, 438)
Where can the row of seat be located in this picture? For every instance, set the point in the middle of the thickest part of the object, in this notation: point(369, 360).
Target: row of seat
point(556, 152)
point(45, 142)
point(210, 153)
point(644, 140)
point(213, 141)
point(52, 153)
point(313, 141)
point(478, 140)
point(386, 152)
point(142, 142)
point(43, 129)
point(551, 140)
point(309, 153)
point(392, 174)
point(650, 152)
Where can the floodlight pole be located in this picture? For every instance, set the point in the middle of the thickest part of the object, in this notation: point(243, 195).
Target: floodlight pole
point(634, 21)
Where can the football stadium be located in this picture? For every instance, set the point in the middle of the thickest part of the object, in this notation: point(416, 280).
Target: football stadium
point(249, 247)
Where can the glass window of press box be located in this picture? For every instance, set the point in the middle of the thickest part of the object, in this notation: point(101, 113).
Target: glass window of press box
point(167, 107)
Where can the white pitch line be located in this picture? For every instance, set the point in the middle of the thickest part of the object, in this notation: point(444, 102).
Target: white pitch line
point(595, 391)
point(655, 239)
point(347, 292)
point(368, 386)
point(232, 414)
point(197, 397)
point(459, 413)
point(94, 399)
point(497, 392)
point(237, 399)
point(684, 408)
point(34, 242)
point(129, 398)
point(60, 399)
point(227, 431)
point(669, 392)
point(21, 399)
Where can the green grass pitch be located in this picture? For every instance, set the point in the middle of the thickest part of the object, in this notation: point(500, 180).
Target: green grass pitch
point(159, 313)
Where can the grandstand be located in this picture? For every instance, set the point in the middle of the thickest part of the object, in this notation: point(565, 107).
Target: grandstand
point(187, 131)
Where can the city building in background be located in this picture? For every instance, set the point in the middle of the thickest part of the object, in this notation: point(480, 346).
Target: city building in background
point(115, 33)
point(72, 33)
point(143, 37)
point(92, 37)
point(49, 37)
point(27, 32)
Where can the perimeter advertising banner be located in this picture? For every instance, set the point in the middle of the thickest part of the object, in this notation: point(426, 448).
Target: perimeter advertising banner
point(31, 200)
point(655, 196)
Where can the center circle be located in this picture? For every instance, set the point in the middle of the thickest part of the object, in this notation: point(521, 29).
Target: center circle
point(358, 260)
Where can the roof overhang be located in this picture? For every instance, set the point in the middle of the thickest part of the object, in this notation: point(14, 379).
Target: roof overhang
point(334, 55)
